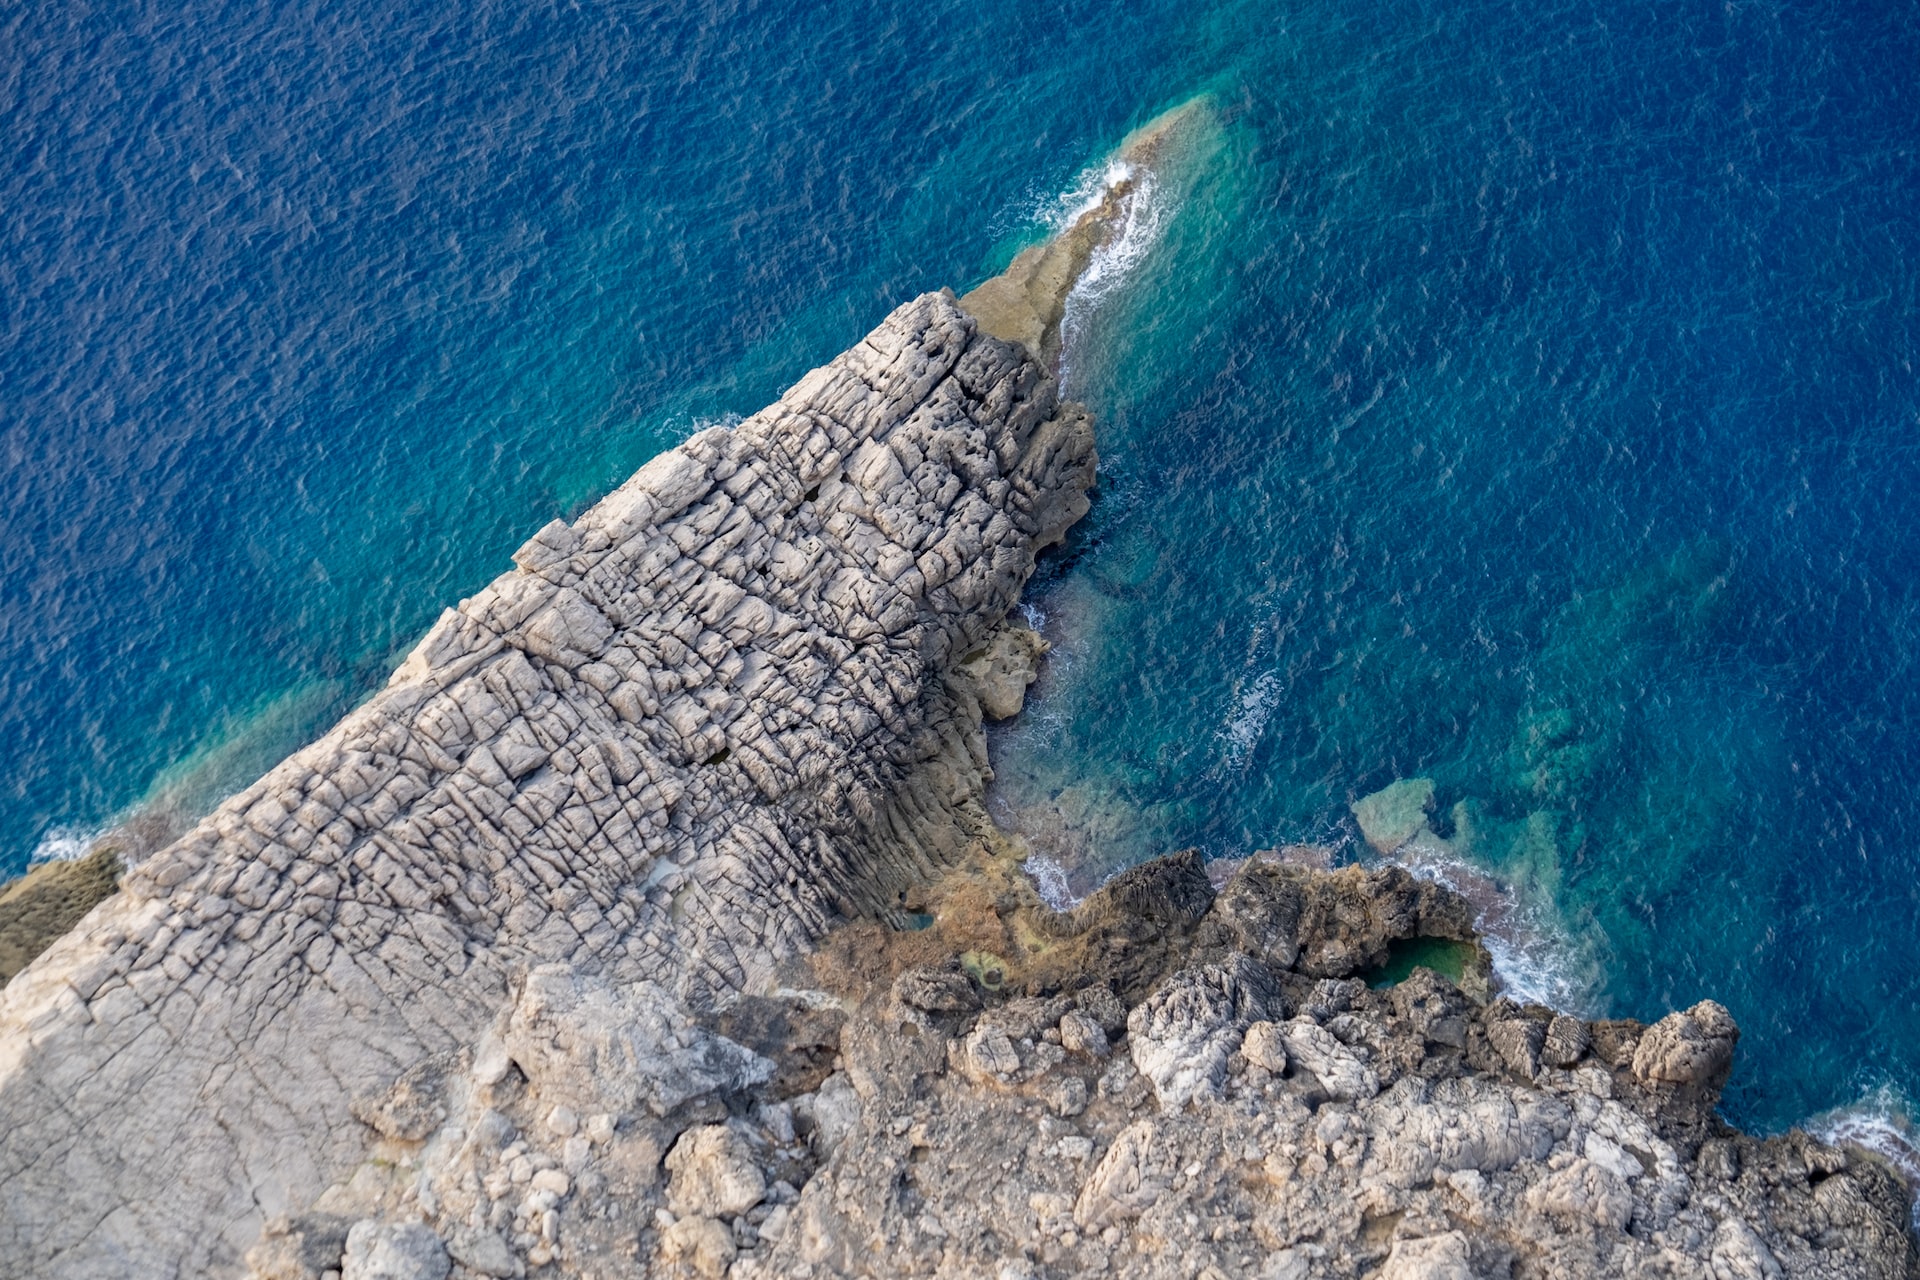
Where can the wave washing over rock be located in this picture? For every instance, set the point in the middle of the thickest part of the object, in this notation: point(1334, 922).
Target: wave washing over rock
point(649, 922)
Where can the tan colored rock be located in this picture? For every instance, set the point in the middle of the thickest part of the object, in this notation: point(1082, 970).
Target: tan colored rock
point(1441, 1257)
point(1266, 1047)
point(703, 1243)
point(1124, 1184)
point(1454, 1166)
point(1002, 669)
point(1027, 302)
point(711, 1174)
point(1689, 1048)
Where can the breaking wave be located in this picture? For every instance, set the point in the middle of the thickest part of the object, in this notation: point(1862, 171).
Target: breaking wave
point(1881, 1122)
point(1537, 960)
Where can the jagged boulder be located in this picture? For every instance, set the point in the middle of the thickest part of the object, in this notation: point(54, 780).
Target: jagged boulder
point(1182, 1035)
point(1692, 1048)
point(711, 1173)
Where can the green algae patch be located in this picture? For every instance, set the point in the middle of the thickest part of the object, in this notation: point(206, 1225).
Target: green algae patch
point(986, 968)
point(1450, 959)
point(38, 907)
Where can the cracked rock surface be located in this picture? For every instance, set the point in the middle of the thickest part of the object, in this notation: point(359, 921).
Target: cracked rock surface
point(685, 735)
point(1347, 1132)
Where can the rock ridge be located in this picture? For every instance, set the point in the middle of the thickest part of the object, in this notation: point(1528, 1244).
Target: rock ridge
point(1249, 1096)
point(682, 738)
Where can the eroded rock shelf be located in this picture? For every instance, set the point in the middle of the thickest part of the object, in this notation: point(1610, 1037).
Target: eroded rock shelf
point(681, 738)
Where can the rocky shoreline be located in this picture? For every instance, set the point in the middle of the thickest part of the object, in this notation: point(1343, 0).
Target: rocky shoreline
point(1173, 1080)
point(649, 922)
point(685, 736)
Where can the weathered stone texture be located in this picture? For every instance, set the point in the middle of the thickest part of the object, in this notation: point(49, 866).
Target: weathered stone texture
point(1366, 1135)
point(681, 738)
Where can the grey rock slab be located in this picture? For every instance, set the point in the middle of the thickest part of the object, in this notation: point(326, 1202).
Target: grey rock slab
point(481, 1251)
point(642, 747)
point(394, 1251)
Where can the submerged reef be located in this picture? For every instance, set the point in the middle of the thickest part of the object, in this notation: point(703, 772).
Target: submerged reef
point(650, 922)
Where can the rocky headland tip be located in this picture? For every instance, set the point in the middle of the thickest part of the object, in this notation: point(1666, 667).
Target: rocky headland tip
point(650, 922)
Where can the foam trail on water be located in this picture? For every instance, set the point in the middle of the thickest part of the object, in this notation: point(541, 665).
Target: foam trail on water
point(1252, 710)
point(1050, 882)
point(1088, 193)
point(1144, 217)
point(1536, 963)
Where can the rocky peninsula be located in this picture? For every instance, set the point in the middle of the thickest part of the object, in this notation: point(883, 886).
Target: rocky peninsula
point(649, 922)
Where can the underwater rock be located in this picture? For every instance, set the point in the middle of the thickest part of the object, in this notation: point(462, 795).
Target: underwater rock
point(1394, 814)
point(1027, 302)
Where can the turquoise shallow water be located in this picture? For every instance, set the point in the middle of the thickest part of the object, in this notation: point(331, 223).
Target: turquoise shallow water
point(1520, 396)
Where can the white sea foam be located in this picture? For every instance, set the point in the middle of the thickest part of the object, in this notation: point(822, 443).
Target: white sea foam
point(1882, 1122)
point(1143, 216)
point(1535, 960)
point(1050, 882)
point(1252, 709)
point(1088, 192)
point(64, 844)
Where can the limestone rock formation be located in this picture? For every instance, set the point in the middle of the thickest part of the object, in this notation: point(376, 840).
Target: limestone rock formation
point(685, 735)
point(1374, 1133)
point(1027, 302)
point(649, 923)
point(1001, 670)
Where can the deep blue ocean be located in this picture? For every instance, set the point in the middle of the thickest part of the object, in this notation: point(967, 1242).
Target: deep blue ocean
point(1516, 395)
